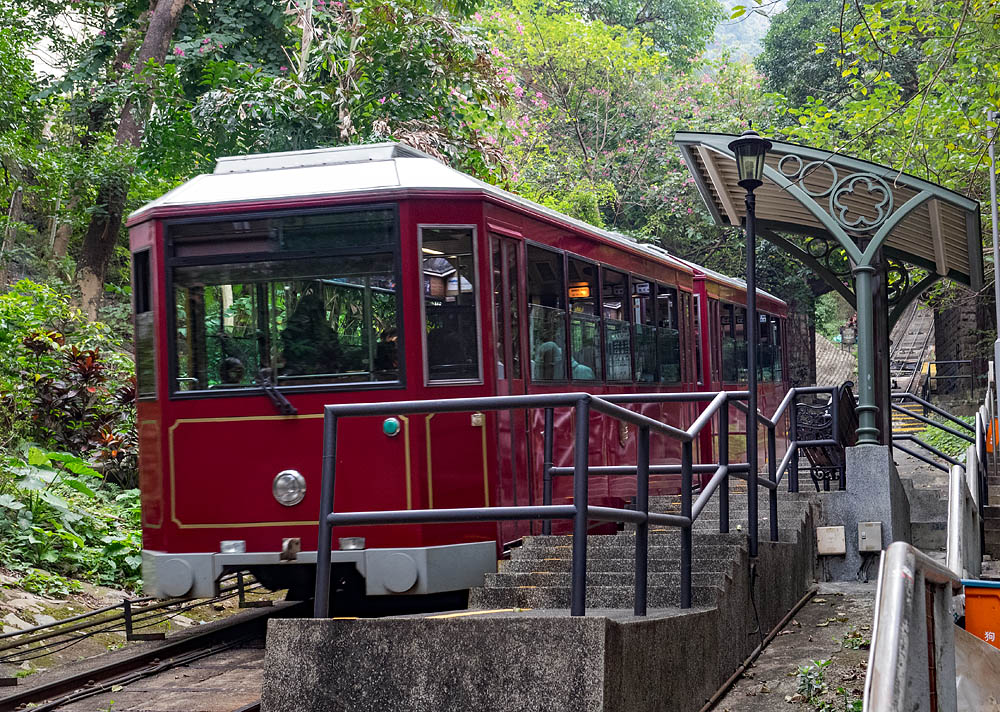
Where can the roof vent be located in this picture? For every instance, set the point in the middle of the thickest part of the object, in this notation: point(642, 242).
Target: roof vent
point(316, 157)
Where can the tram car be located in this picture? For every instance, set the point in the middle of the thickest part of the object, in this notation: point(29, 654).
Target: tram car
point(284, 282)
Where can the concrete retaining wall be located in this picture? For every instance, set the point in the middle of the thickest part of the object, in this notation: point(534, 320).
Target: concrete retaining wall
point(534, 660)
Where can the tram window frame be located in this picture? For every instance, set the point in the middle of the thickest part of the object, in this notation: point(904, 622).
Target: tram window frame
point(594, 319)
point(650, 321)
point(668, 320)
point(476, 289)
point(626, 309)
point(392, 247)
point(144, 324)
point(561, 255)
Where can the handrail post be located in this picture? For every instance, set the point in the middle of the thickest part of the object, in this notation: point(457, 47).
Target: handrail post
point(724, 460)
point(547, 470)
point(642, 529)
point(321, 600)
point(793, 443)
point(578, 592)
point(686, 461)
point(772, 474)
point(835, 402)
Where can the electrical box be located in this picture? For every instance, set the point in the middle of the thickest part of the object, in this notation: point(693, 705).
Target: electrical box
point(830, 541)
point(869, 536)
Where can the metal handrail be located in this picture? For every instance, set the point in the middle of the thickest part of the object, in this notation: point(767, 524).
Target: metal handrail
point(906, 575)
point(580, 511)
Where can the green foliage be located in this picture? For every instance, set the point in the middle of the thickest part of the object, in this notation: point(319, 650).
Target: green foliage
point(678, 28)
point(854, 639)
point(47, 584)
point(811, 682)
point(831, 313)
point(59, 515)
point(63, 382)
point(946, 442)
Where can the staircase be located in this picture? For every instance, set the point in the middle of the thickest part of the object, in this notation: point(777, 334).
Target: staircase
point(538, 572)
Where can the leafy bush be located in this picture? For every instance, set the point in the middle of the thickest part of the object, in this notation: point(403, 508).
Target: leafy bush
point(946, 442)
point(65, 383)
point(58, 514)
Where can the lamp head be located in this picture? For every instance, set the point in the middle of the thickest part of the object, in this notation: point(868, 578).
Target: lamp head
point(750, 149)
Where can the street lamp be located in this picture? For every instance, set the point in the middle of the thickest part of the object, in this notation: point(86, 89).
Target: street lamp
point(750, 150)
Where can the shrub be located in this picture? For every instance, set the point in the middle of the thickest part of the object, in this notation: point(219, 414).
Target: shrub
point(58, 514)
point(65, 383)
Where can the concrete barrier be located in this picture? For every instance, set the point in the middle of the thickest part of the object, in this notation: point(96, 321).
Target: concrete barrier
point(531, 660)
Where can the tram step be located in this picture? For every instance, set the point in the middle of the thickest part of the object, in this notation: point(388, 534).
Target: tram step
point(718, 561)
point(596, 578)
point(597, 597)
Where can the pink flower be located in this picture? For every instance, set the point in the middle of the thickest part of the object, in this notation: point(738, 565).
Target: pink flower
point(219, 45)
point(282, 68)
point(518, 92)
point(178, 51)
point(206, 40)
point(126, 66)
point(102, 33)
point(382, 100)
point(520, 28)
point(477, 17)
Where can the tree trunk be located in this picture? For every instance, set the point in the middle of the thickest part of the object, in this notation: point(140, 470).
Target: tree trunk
point(102, 234)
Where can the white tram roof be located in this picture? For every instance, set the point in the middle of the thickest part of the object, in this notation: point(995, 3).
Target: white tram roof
point(362, 169)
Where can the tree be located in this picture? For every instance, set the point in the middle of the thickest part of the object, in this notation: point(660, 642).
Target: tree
point(105, 225)
point(801, 49)
point(678, 28)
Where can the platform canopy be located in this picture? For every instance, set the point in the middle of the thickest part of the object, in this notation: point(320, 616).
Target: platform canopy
point(807, 191)
point(855, 223)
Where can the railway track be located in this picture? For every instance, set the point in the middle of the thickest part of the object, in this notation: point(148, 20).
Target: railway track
point(209, 668)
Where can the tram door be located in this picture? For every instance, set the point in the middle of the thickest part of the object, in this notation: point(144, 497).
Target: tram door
point(512, 443)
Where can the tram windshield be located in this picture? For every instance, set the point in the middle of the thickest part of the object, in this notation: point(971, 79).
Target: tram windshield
point(288, 320)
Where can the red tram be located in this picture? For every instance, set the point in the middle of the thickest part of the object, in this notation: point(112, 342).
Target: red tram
point(284, 282)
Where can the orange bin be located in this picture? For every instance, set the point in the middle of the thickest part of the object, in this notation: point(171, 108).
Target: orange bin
point(982, 610)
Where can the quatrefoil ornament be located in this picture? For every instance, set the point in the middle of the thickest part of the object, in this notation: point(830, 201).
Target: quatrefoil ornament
point(859, 221)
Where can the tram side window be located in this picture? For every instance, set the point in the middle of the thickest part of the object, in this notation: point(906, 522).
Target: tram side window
point(289, 321)
point(546, 315)
point(584, 322)
point(451, 323)
point(734, 345)
point(769, 349)
point(145, 328)
point(644, 318)
point(668, 342)
point(617, 333)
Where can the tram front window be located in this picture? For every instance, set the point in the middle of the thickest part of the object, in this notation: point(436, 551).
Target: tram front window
point(291, 321)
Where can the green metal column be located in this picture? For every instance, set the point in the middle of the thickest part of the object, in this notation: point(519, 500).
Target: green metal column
point(867, 409)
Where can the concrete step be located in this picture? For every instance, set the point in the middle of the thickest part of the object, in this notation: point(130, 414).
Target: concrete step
point(992, 543)
point(721, 560)
point(622, 545)
point(544, 579)
point(929, 536)
point(597, 597)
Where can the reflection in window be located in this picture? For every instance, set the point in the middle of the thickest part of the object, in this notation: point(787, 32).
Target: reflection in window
point(584, 322)
point(327, 320)
point(668, 343)
point(451, 324)
point(769, 349)
point(734, 345)
point(145, 326)
point(644, 317)
point(617, 336)
point(546, 315)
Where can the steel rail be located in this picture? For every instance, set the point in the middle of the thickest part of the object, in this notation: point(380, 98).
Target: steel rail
point(200, 638)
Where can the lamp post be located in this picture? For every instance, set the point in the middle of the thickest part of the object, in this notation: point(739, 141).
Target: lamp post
point(750, 150)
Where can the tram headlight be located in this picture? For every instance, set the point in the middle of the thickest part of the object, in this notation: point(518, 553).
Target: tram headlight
point(289, 487)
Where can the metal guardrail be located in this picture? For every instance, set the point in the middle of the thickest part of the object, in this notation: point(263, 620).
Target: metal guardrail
point(579, 512)
point(909, 664)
